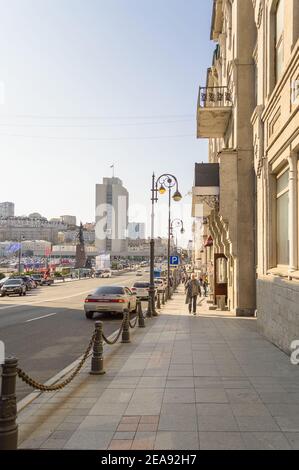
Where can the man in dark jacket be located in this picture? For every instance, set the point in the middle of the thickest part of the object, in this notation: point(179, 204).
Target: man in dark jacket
point(192, 291)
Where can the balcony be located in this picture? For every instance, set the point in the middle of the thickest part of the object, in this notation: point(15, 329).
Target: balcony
point(213, 111)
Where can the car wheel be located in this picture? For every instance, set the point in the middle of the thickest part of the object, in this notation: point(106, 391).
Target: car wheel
point(20, 294)
point(25, 293)
point(89, 315)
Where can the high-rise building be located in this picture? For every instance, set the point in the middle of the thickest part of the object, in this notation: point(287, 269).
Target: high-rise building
point(7, 209)
point(136, 230)
point(112, 203)
point(69, 219)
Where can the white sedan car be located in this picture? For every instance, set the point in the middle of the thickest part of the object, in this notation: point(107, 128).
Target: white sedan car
point(112, 299)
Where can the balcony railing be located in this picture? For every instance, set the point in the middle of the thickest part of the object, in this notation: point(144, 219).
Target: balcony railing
point(214, 97)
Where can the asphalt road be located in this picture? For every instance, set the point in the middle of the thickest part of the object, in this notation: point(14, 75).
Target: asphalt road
point(47, 330)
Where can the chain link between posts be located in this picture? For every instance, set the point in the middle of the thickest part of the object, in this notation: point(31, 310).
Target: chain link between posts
point(52, 388)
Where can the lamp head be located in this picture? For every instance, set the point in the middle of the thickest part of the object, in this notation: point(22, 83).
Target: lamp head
point(177, 196)
point(162, 189)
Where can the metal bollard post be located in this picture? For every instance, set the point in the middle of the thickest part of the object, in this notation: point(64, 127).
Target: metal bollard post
point(141, 322)
point(159, 301)
point(97, 360)
point(125, 338)
point(149, 312)
point(8, 406)
point(163, 298)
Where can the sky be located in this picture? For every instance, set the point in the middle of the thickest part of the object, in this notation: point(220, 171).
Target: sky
point(88, 83)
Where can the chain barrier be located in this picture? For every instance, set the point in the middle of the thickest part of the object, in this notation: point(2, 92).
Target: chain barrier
point(110, 342)
point(132, 325)
point(52, 388)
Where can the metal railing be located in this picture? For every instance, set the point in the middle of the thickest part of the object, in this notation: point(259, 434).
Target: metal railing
point(212, 97)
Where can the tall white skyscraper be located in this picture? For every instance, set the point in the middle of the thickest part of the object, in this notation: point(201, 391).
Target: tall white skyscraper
point(112, 204)
point(136, 231)
point(7, 209)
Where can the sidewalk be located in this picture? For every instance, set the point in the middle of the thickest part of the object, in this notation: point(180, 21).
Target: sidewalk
point(184, 382)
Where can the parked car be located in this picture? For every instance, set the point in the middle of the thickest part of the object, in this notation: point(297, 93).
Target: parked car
point(13, 286)
point(2, 281)
point(38, 279)
point(48, 281)
point(139, 273)
point(160, 285)
point(141, 289)
point(113, 299)
point(26, 280)
point(98, 273)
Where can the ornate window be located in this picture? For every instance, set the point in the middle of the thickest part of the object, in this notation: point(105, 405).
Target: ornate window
point(282, 218)
point(279, 27)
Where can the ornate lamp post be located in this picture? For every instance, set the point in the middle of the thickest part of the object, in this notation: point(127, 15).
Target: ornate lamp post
point(160, 185)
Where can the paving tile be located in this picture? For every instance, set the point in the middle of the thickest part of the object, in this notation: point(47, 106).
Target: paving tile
point(288, 423)
point(293, 439)
point(130, 419)
point(144, 441)
point(152, 382)
point(214, 409)
point(148, 419)
point(167, 440)
point(100, 423)
point(265, 441)
point(127, 427)
point(179, 395)
point(107, 409)
point(147, 427)
point(178, 417)
point(124, 435)
point(89, 440)
point(257, 423)
point(210, 396)
point(250, 409)
point(217, 423)
point(120, 444)
point(236, 396)
point(221, 441)
point(179, 382)
point(54, 444)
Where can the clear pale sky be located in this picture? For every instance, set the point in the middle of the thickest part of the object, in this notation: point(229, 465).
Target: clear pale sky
point(85, 83)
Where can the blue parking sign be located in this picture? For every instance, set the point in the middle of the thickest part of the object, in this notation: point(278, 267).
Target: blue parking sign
point(174, 260)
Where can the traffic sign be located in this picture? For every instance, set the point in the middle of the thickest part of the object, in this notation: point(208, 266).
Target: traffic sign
point(174, 260)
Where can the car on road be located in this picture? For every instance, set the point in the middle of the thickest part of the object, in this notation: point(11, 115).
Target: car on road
point(141, 289)
point(13, 287)
point(38, 279)
point(106, 273)
point(139, 273)
point(112, 299)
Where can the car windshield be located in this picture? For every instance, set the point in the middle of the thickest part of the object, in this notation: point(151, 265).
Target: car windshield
point(13, 281)
point(143, 285)
point(109, 290)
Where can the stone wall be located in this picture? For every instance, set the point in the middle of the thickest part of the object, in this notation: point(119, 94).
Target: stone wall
point(278, 310)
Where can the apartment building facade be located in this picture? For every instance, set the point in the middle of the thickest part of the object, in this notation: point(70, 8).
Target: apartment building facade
point(275, 122)
point(224, 189)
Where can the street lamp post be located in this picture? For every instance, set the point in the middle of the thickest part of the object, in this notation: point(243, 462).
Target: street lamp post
point(175, 223)
point(21, 237)
point(166, 181)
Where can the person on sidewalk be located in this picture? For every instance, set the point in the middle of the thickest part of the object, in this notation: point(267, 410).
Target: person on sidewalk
point(192, 291)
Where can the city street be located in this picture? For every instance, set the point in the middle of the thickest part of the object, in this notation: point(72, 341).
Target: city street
point(47, 330)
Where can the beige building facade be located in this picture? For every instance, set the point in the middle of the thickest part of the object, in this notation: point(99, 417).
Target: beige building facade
point(275, 122)
point(225, 107)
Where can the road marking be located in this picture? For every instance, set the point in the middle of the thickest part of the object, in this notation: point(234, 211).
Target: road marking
point(38, 318)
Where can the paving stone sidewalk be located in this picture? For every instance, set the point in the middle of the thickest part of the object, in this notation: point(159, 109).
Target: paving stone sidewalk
point(184, 382)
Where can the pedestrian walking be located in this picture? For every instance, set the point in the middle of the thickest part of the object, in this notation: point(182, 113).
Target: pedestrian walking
point(192, 292)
